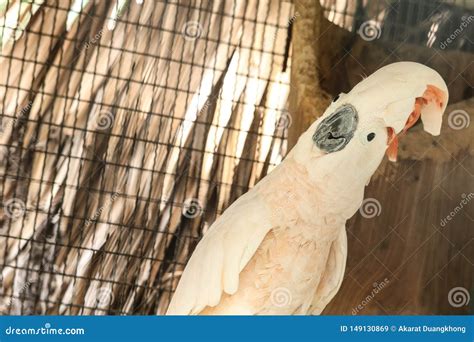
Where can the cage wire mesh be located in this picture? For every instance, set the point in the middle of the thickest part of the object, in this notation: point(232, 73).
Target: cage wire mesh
point(128, 126)
point(424, 22)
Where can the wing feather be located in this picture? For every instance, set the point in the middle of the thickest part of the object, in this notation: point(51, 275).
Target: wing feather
point(333, 274)
point(221, 255)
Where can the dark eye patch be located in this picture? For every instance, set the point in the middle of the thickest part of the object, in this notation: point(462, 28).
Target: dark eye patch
point(370, 136)
point(335, 131)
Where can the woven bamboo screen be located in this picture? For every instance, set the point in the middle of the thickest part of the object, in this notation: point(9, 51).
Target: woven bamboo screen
point(126, 128)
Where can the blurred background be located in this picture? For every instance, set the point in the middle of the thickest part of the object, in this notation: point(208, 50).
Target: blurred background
point(128, 126)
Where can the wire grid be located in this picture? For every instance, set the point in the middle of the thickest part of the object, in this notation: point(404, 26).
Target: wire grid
point(423, 22)
point(127, 127)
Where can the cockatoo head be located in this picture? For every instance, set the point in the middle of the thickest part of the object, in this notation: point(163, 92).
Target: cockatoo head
point(358, 128)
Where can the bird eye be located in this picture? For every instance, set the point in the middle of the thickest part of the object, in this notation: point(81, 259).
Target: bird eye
point(370, 136)
point(336, 98)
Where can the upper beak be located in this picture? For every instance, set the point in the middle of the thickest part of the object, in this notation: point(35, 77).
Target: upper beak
point(420, 93)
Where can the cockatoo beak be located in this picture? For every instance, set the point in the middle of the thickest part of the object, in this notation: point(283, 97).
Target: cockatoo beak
point(430, 107)
point(418, 92)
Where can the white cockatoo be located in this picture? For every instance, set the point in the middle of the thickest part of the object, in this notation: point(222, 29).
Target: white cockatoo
point(281, 248)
